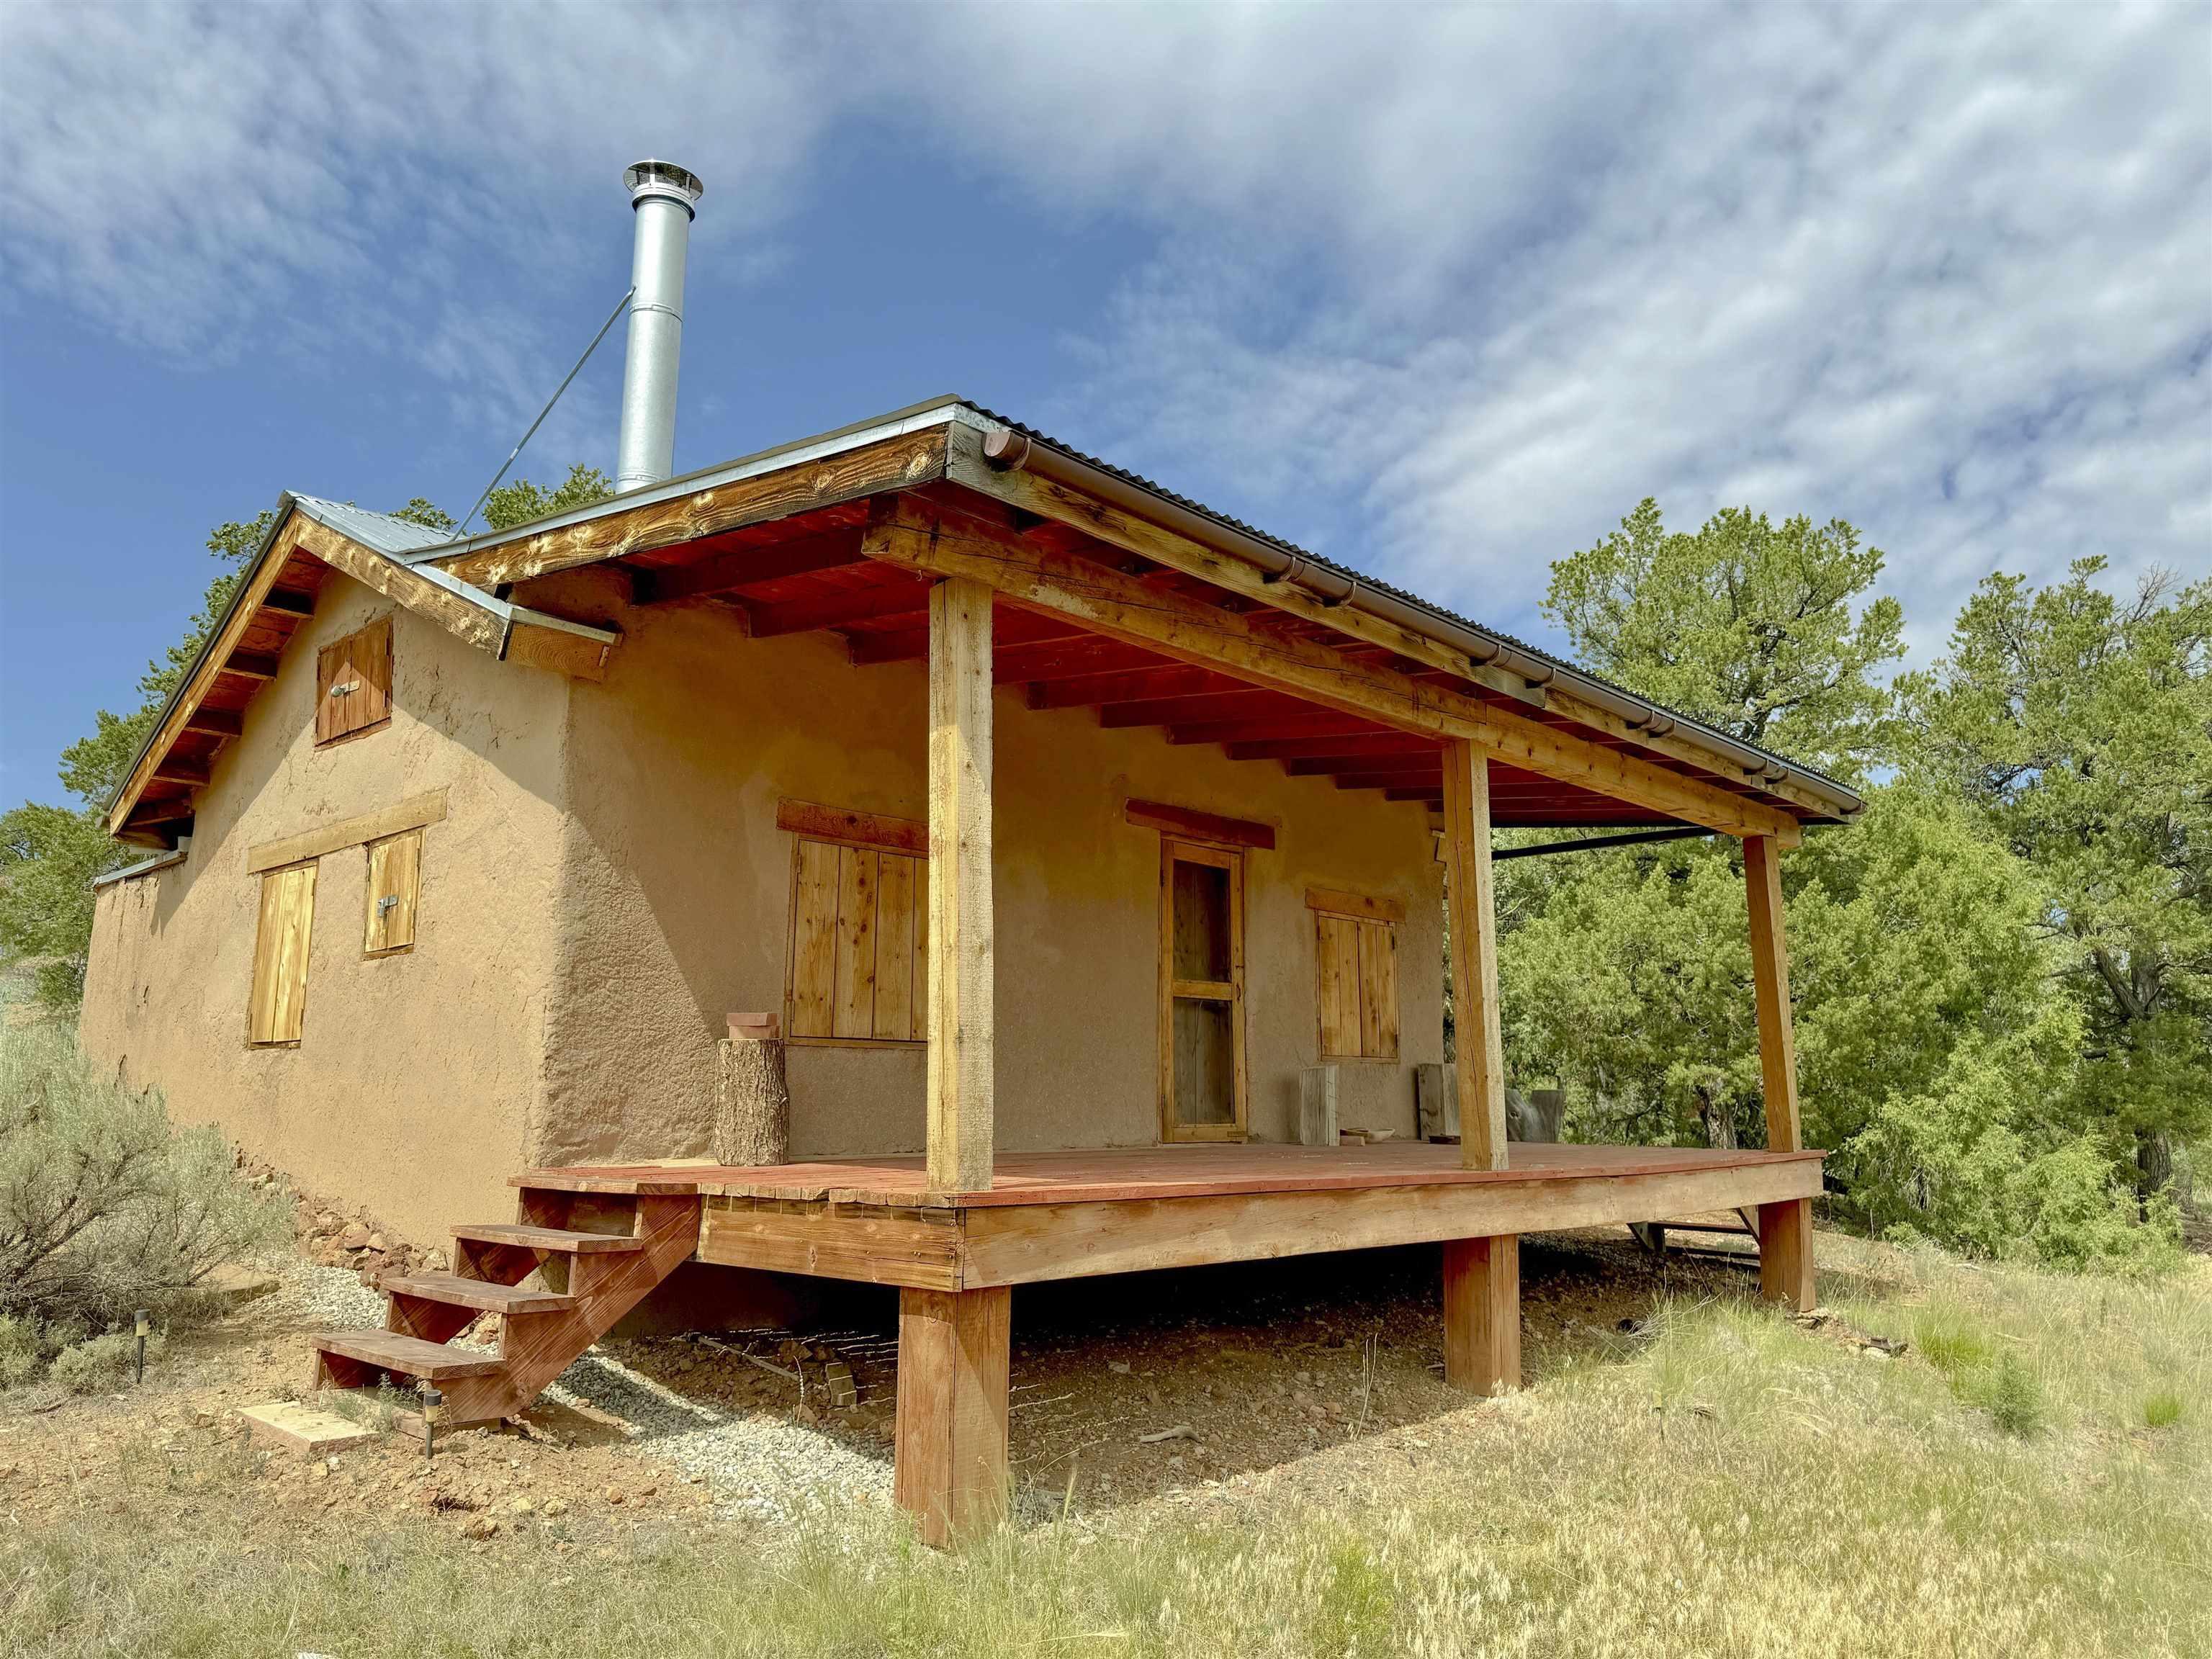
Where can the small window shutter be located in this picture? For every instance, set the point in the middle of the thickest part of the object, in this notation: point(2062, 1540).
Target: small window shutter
point(1378, 990)
point(353, 682)
point(860, 921)
point(280, 955)
point(395, 874)
point(1338, 938)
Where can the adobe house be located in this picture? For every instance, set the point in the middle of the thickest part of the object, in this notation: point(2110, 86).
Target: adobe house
point(1068, 827)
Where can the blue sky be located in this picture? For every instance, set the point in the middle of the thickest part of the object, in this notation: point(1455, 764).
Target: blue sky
point(1440, 292)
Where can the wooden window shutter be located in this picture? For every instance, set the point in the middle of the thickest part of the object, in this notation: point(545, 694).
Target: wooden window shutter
point(279, 1004)
point(395, 874)
point(353, 682)
point(1356, 955)
point(858, 936)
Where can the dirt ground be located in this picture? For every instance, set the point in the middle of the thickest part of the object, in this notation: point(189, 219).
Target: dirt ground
point(1171, 1387)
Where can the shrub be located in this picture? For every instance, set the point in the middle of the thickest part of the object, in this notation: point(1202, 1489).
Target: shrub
point(101, 1362)
point(2009, 1392)
point(104, 1206)
point(19, 1354)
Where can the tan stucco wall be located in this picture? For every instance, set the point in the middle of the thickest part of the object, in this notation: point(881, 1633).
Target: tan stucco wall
point(676, 888)
point(609, 882)
point(413, 1088)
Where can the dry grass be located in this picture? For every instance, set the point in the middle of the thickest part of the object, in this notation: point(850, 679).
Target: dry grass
point(1728, 1483)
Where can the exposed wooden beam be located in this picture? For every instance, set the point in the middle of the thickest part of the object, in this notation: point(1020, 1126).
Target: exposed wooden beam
point(1035, 494)
point(223, 722)
point(1066, 658)
point(748, 567)
point(249, 665)
point(962, 950)
point(289, 601)
point(1770, 978)
point(1306, 723)
point(879, 602)
point(1336, 748)
point(1417, 760)
point(906, 532)
point(1231, 702)
point(1134, 685)
point(896, 463)
point(1478, 1045)
point(175, 768)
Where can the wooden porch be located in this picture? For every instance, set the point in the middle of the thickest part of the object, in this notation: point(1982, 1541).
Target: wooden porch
point(954, 1256)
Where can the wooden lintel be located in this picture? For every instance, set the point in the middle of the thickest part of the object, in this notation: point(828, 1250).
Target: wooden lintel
point(413, 813)
point(910, 533)
point(1195, 825)
point(896, 462)
point(849, 827)
point(1329, 901)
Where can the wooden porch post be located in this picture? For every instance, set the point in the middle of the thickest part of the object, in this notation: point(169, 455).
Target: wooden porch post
point(1482, 1276)
point(1482, 1314)
point(950, 1472)
point(1478, 1046)
point(1785, 1230)
point(960, 1011)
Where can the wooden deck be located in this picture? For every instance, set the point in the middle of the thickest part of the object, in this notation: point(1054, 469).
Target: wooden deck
point(955, 1255)
point(1072, 1214)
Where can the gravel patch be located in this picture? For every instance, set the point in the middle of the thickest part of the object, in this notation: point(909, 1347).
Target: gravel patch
point(325, 1299)
point(756, 1465)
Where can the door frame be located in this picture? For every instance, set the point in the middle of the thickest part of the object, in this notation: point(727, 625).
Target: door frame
point(1172, 851)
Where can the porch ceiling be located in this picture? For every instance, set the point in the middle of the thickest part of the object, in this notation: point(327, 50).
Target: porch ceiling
point(807, 573)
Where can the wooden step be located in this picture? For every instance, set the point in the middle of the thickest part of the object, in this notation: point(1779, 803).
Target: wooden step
point(522, 1238)
point(480, 1293)
point(407, 1355)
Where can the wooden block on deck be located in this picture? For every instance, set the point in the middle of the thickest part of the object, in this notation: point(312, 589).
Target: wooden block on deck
point(288, 1426)
point(1317, 1105)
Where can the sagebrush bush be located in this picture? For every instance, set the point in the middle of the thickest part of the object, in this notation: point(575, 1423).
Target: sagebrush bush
point(105, 1206)
point(101, 1362)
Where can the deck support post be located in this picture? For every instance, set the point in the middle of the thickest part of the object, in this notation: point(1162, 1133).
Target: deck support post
point(950, 1472)
point(1478, 1046)
point(1785, 1253)
point(1786, 1231)
point(961, 1020)
point(1482, 1314)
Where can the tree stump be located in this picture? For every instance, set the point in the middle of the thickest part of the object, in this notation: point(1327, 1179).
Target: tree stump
point(752, 1103)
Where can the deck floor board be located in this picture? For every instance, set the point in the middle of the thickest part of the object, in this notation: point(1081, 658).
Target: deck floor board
point(1122, 1175)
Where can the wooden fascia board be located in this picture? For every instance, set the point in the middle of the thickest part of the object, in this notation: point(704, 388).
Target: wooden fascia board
point(905, 532)
point(1033, 492)
point(900, 462)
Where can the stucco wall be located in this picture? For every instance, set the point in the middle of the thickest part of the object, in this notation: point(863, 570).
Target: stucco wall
point(413, 1088)
point(677, 894)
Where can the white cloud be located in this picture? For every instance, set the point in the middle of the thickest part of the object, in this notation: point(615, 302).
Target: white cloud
point(1444, 291)
point(1449, 292)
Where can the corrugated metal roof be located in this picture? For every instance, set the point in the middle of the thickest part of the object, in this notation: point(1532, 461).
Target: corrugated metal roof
point(379, 531)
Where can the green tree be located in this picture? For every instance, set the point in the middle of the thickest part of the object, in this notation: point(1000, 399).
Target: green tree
point(1766, 631)
point(518, 502)
point(2078, 726)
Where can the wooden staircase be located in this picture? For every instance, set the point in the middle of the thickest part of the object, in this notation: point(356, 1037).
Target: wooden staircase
point(594, 1255)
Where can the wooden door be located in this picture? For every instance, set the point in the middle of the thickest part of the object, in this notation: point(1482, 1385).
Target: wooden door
point(1202, 1091)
